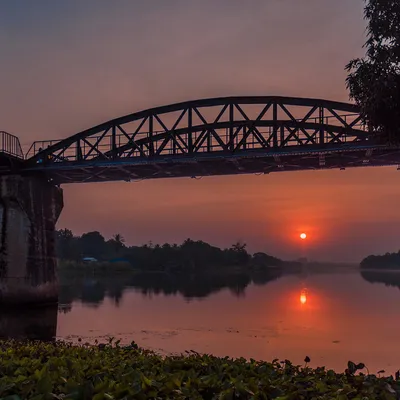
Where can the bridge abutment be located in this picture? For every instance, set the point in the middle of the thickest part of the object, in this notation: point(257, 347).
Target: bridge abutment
point(29, 209)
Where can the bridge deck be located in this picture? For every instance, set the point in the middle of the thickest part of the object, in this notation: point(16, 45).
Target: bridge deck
point(254, 162)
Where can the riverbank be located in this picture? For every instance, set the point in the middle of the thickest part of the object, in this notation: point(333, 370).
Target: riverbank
point(54, 370)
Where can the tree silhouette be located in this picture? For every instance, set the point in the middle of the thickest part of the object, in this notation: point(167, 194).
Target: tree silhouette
point(374, 81)
point(118, 243)
point(239, 253)
point(65, 244)
point(191, 256)
point(93, 244)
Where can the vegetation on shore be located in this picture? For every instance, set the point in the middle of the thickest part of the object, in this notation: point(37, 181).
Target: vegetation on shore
point(194, 269)
point(388, 261)
point(190, 256)
point(63, 371)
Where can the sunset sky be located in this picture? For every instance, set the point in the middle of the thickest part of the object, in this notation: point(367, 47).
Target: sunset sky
point(69, 65)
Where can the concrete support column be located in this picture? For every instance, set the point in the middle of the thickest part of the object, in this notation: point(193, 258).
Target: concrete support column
point(29, 209)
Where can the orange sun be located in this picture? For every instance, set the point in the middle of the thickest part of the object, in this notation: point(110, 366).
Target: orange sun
point(303, 236)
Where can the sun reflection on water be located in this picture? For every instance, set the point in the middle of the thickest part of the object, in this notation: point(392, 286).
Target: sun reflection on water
point(303, 296)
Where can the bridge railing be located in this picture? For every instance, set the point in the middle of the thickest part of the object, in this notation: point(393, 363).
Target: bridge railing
point(40, 145)
point(9, 144)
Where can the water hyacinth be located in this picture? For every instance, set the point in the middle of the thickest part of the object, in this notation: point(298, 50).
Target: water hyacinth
point(35, 370)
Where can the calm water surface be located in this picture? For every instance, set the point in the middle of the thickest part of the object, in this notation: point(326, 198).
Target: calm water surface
point(330, 317)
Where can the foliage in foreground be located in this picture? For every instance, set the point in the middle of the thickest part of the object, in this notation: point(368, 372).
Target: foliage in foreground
point(63, 371)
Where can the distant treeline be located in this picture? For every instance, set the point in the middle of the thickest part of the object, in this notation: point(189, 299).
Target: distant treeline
point(189, 256)
point(386, 261)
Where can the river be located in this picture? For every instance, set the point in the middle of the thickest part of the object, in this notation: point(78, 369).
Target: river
point(331, 317)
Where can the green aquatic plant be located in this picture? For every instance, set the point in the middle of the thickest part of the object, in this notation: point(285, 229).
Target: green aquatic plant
point(41, 371)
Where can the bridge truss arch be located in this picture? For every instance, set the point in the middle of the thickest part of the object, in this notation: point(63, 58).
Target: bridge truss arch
point(220, 136)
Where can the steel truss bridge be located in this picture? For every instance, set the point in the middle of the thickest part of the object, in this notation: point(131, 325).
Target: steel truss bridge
point(219, 136)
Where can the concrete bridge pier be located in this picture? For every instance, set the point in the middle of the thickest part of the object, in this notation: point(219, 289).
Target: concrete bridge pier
point(29, 209)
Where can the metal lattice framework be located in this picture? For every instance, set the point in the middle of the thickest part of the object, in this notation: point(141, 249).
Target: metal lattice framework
point(214, 137)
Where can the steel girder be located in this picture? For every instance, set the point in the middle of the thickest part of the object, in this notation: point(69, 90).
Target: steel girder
point(228, 135)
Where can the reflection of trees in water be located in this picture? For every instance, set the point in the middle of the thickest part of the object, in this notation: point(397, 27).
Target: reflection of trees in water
point(94, 290)
point(260, 278)
point(32, 323)
point(189, 285)
point(64, 308)
point(388, 278)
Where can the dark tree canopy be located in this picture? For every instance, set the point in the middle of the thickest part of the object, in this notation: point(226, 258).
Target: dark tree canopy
point(191, 255)
point(374, 81)
point(93, 244)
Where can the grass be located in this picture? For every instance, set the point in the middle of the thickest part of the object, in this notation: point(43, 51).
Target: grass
point(62, 371)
